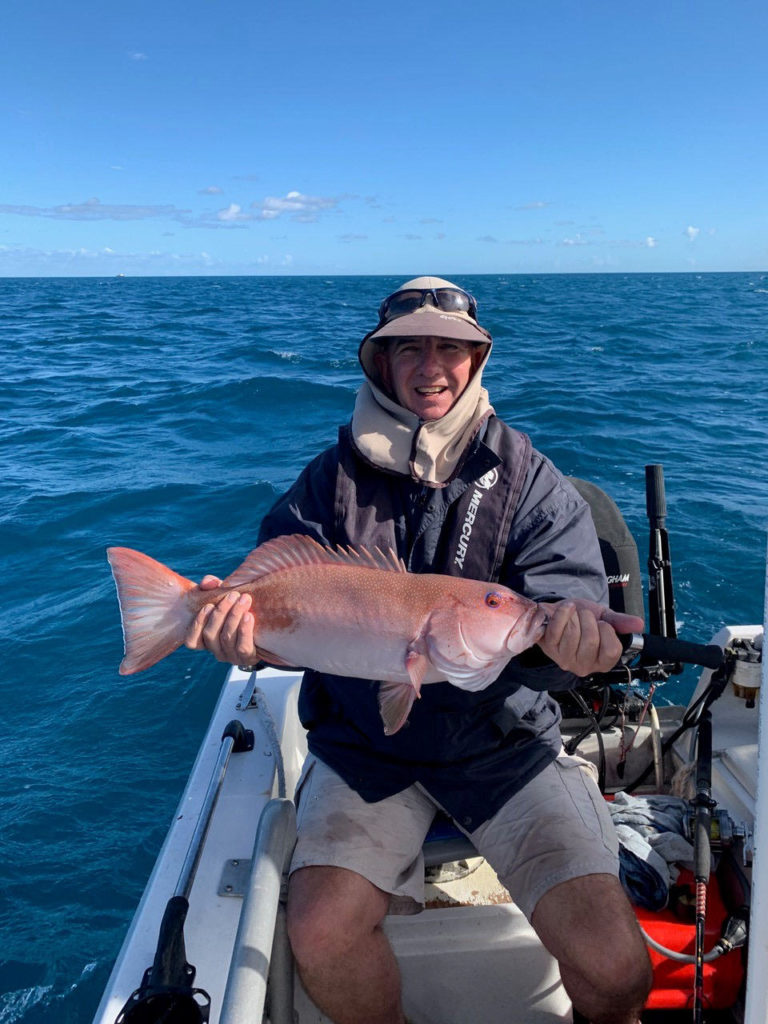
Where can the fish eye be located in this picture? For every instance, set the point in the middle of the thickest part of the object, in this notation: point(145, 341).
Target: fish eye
point(492, 599)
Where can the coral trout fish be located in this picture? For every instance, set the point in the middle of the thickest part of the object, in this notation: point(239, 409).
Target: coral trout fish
point(344, 611)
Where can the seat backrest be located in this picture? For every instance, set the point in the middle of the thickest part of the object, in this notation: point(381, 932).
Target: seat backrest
point(618, 548)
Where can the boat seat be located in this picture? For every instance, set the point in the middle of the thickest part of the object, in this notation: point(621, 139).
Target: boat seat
point(617, 547)
point(446, 843)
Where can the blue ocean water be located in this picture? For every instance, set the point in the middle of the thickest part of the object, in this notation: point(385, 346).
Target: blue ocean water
point(167, 414)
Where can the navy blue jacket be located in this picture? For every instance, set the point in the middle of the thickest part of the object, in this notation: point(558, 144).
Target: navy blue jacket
point(471, 751)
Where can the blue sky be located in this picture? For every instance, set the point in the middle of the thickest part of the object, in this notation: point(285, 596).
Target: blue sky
point(336, 137)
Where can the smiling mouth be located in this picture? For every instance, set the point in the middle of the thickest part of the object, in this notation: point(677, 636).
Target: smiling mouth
point(430, 391)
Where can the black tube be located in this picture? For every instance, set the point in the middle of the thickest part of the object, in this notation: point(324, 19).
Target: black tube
point(166, 995)
point(655, 497)
point(704, 801)
point(242, 737)
point(170, 966)
point(593, 726)
point(665, 648)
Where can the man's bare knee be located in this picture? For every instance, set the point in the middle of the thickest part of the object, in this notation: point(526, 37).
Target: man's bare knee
point(329, 910)
point(589, 926)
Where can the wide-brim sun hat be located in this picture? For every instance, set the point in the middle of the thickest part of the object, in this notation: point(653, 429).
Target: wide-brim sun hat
point(426, 320)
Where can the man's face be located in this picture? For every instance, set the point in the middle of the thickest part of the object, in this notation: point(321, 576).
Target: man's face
point(427, 375)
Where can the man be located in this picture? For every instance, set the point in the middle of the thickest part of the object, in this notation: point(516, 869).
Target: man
point(426, 468)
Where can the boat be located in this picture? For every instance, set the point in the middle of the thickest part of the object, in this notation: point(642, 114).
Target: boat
point(208, 940)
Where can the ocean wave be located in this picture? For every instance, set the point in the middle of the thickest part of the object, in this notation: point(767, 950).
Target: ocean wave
point(42, 1004)
point(167, 415)
point(15, 1005)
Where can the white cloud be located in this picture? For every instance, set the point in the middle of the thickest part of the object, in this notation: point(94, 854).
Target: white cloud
point(99, 261)
point(137, 55)
point(692, 233)
point(300, 207)
point(538, 205)
point(233, 214)
point(94, 209)
point(650, 242)
point(303, 207)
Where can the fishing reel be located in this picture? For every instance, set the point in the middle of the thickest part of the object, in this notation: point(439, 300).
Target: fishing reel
point(724, 832)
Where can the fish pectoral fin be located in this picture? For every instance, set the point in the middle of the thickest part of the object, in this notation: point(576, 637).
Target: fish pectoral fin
point(417, 664)
point(395, 703)
point(273, 659)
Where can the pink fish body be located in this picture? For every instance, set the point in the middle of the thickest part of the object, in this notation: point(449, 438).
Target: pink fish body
point(347, 612)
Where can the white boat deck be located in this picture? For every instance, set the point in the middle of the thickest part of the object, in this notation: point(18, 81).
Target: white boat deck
point(468, 958)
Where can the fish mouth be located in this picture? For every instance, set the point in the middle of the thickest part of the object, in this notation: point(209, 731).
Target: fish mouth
point(529, 629)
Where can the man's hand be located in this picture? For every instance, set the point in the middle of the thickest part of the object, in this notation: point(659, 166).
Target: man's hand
point(581, 635)
point(224, 629)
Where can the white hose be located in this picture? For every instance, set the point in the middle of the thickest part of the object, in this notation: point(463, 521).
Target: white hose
point(684, 958)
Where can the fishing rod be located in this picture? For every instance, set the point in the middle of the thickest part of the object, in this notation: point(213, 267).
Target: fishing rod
point(661, 601)
point(702, 856)
point(735, 927)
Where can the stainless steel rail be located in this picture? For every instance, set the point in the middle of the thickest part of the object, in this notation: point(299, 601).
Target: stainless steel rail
point(261, 957)
point(234, 739)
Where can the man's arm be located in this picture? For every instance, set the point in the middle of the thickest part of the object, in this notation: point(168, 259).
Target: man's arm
point(581, 636)
point(553, 556)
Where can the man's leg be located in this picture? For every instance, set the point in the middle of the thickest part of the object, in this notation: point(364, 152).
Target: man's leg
point(353, 863)
point(344, 959)
point(554, 846)
point(588, 925)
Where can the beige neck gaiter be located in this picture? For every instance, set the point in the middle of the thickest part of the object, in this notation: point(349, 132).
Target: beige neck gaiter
point(429, 451)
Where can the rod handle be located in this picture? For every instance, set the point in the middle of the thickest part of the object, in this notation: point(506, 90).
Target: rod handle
point(655, 496)
point(669, 649)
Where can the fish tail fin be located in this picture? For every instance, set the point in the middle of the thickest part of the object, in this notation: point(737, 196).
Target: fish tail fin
point(154, 614)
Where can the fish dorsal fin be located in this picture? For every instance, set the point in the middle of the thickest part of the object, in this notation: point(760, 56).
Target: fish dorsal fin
point(297, 549)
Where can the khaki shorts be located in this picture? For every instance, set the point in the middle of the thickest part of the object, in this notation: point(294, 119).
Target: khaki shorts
point(556, 828)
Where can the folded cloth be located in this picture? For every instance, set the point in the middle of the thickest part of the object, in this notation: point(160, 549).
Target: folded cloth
point(650, 830)
point(642, 872)
point(674, 849)
point(649, 815)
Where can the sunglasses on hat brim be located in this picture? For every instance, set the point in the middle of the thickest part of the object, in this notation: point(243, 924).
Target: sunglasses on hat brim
point(407, 300)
